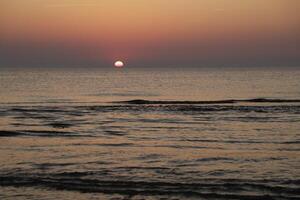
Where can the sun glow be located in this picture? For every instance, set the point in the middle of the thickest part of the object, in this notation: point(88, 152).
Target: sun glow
point(119, 64)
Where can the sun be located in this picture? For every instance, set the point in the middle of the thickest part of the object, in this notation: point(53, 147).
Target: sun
point(119, 64)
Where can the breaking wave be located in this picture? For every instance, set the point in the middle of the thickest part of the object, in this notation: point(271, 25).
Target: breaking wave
point(229, 101)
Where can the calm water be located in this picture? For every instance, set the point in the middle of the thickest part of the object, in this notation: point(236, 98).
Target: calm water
point(75, 134)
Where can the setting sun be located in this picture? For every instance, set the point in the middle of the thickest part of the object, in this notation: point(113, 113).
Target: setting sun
point(119, 64)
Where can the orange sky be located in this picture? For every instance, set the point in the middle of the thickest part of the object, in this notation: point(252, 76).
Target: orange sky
point(149, 32)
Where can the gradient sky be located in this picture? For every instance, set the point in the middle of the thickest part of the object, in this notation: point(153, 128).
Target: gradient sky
point(154, 33)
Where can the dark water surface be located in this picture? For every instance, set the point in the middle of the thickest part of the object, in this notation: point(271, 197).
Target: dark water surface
point(146, 134)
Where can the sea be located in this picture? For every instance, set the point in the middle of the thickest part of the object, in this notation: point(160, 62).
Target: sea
point(150, 133)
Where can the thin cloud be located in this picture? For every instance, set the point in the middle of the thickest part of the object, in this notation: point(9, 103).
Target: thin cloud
point(73, 5)
point(220, 10)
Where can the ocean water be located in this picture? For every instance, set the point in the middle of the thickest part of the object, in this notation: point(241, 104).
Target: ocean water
point(150, 133)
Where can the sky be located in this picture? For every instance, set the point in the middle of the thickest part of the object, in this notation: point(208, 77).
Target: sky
point(143, 33)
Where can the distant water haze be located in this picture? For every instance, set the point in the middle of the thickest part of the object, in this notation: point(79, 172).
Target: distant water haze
point(112, 84)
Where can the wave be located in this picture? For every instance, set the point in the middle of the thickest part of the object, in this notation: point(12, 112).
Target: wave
point(229, 101)
point(144, 101)
point(40, 133)
point(48, 112)
point(210, 189)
